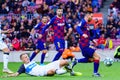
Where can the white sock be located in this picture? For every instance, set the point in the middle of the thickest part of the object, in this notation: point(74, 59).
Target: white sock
point(66, 44)
point(5, 61)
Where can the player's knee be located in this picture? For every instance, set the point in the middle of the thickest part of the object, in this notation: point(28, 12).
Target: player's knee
point(44, 51)
point(37, 51)
point(63, 63)
point(96, 56)
point(90, 60)
point(50, 72)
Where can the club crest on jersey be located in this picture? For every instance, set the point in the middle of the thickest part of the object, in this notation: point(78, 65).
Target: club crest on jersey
point(60, 24)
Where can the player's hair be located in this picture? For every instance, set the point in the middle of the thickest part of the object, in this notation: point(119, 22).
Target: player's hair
point(59, 7)
point(88, 13)
point(22, 55)
point(44, 15)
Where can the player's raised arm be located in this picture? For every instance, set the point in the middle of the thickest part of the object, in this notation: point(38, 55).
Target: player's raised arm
point(13, 75)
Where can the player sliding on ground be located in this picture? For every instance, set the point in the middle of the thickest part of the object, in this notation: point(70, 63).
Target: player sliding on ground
point(34, 69)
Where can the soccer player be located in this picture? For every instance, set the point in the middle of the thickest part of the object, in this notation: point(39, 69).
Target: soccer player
point(87, 51)
point(58, 23)
point(41, 43)
point(5, 49)
point(34, 69)
point(117, 53)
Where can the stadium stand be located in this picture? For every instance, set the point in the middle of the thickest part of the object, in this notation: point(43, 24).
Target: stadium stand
point(22, 16)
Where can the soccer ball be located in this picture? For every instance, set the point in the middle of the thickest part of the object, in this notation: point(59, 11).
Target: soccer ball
point(108, 61)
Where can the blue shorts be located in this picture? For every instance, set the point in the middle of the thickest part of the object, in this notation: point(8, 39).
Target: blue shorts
point(87, 52)
point(41, 45)
point(59, 44)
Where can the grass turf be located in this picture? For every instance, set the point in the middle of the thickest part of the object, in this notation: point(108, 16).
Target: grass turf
point(108, 73)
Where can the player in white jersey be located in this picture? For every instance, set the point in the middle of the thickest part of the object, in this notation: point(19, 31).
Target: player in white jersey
point(5, 49)
point(34, 69)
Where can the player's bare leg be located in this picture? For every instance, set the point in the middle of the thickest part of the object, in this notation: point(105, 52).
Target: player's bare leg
point(69, 68)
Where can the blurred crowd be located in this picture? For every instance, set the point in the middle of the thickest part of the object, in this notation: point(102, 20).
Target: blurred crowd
point(23, 15)
point(113, 23)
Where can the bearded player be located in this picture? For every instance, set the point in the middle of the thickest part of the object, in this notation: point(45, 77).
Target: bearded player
point(87, 51)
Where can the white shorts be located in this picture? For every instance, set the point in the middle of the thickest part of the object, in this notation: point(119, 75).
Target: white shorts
point(54, 65)
point(2, 45)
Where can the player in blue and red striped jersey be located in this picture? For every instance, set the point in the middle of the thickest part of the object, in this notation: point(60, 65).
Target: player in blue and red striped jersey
point(59, 24)
point(41, 43)
point(87, 51)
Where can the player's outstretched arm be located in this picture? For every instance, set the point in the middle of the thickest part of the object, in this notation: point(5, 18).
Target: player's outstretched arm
point(13, 75)
point(10, 75)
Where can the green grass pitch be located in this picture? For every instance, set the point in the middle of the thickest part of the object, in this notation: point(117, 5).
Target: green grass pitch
point(108, 73)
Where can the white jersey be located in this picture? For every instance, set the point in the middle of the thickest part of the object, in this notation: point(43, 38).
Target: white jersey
point(34, 69)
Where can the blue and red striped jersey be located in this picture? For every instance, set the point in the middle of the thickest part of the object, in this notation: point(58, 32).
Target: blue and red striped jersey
point(39, 28)
point(58, 25)
point(82, 28)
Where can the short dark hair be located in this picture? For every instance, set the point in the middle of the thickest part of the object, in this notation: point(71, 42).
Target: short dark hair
point(59, 7)
point(44, 15)
point(22, 55)
point(89, 13)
